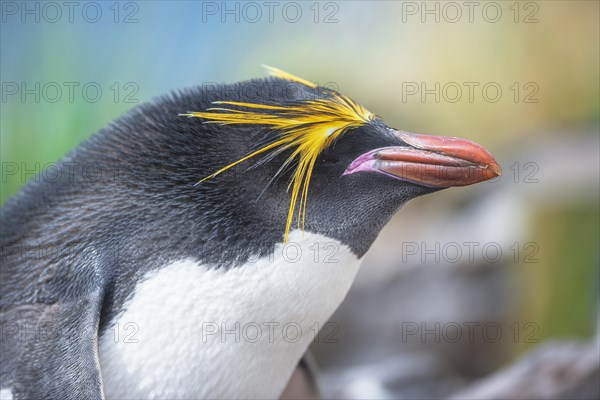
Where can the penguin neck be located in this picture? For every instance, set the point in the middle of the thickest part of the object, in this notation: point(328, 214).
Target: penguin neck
point(199, 331)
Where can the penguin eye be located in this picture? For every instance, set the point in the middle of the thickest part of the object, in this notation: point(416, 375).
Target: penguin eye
point(328, 161)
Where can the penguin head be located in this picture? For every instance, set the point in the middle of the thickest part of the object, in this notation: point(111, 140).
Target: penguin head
point(307, 157)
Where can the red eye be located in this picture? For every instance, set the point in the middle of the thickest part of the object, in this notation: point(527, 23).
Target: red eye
point(328, 160)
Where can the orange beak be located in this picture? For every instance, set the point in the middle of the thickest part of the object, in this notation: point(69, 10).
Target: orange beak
point(434, 161)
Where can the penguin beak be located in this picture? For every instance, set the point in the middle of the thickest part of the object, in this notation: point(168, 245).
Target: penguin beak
point(433, 161)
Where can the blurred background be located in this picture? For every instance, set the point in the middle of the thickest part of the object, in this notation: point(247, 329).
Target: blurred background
point(491, 290)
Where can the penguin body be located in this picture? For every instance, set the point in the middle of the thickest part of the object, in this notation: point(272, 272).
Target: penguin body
point(115, 274)
point(270, 321)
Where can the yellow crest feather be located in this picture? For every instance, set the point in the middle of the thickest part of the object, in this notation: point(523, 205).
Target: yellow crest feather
point(306, 128)
point(276, 72)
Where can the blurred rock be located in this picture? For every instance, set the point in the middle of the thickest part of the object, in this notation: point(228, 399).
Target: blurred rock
point(411, 376)
point(555, 370)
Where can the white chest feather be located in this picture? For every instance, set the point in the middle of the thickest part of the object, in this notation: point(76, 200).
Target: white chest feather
point(191, 331)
